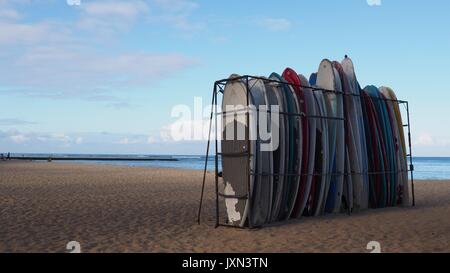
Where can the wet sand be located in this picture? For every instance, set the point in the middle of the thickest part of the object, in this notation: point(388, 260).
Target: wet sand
point(106, 208)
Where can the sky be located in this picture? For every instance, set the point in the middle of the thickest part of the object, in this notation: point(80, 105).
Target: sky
point(93, 76)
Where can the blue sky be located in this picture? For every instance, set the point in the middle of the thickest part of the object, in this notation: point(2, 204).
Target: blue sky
point(104, 76)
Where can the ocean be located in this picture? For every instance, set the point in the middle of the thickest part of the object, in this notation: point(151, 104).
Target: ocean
point(437, 168)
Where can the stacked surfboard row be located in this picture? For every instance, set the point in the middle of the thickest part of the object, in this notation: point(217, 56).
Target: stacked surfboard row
point(333, 147)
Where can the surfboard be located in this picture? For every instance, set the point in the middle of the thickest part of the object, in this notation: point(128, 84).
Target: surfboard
point(375, 152)
point(403, 183)
point(387, 141)
point(353, 178)
point(235, 139)
point(313, 79)
point(347, 193)
point(361, 195)
point(263, 185)
point(321, 156)
point(305, 182)
point(293, 153)
point(313, 122)
point(379, 121)
point(393, 152)
point(369, 135)
point(275, 94)
point(328, 78)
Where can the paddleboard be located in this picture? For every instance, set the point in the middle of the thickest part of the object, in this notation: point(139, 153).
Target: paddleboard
point(235, 140)
point(263, 185)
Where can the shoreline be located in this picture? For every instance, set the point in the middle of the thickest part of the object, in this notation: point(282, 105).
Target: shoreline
point(116, 208)
point(209, 170)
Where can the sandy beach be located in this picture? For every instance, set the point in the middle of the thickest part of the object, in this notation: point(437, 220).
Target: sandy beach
point(134, 209)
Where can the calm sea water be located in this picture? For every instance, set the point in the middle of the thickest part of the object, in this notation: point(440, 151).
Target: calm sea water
point(432, 168)
point(425, 167)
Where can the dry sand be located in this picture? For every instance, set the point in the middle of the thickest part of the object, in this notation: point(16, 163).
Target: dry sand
point(129, 209)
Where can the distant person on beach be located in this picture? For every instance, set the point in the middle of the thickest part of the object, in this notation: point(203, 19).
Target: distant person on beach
point(9, 156)
point(2, 157)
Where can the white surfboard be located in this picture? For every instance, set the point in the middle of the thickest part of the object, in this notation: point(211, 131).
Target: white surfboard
point(328, 78)
point(362, 194)
point(234, 141)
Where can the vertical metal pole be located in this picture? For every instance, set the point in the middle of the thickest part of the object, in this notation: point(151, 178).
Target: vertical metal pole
point(216, 163)
point(249, 195)
point(207, 157)
point(411, 165)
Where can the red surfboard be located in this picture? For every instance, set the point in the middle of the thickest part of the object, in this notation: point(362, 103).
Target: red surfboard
point(292, 77)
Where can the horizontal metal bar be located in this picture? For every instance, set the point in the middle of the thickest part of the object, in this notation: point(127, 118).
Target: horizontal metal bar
point(243, 197)
point(330, 174)
point(323, 117)
point(232, 226)
point(241, 154)
point(302, 114)
point(312, 88)
point(248, 77)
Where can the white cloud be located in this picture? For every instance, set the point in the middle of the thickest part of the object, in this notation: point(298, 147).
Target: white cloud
point(79, 140)
point(426, 144)
point(41, 138)
point(374, 2)
point(136, 139)
point(111, 17)
point(15, 33)
point(78, 71)
point(425, 140)
point(275, 24)
point(124, 141)
point(19, 138)
point(9, 14)
point(176, 13)
point(151, 140)
point(14, 121)
point(61, 137)
point(95, 142)
point(129, 9)
point(8, 11)
point(177, 6)
point(428, 140)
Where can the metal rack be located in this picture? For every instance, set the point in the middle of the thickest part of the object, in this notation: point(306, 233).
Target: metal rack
point(219, 87)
